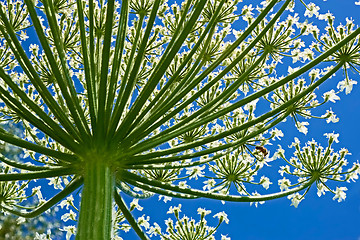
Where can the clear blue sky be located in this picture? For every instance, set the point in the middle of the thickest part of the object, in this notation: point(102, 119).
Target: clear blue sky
point(315, 218)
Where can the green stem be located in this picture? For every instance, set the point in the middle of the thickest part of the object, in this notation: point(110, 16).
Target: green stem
point(23, 166)
point(211, 195)
point(122, 94)
point(55, 172)
point(10, 138)
point(180, 91)
point(158, 72)
point(120, 202)
point(129, 191)
point(263, 117)
point(96, 201)
point(228, 146)
point(63, 83)
point(24, 113)
point(160, 190)
point(176, 76)
point(60, 133)
point(57, 198)
point(67, 85)
point(103, 86)
point(118, 57)
point(28, 68)
point(86, 64)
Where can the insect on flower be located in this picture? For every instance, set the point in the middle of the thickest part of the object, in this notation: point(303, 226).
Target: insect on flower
point(263, 150)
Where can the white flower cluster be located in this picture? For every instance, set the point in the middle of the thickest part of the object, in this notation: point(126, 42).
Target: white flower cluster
point(313, 163)
point(186, 227)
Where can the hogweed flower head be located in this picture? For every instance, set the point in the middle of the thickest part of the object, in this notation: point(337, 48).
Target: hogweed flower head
point(186, 227)
point(313, 162)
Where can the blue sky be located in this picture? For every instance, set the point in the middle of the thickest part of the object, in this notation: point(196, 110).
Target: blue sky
point(315, 218)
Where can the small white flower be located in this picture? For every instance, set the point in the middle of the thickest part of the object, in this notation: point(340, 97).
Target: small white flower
point(301, 126)
point(295, 143)
point(38, 193)
point(251, 106)
point(295, 199)
point(326, 16)
point(321, 189)
point(40, 236)
point(166, 198)
point(331, 117)
point(346, 84)
point(292, 70)
point(340, 193)
point(125, 227)
point(67, 202)
point(353, 176)
point(154, 230)
point(344, 151)
point(284, 184)
point(183, 184)
point(135, 204)
point(209, 184)
point(69, 216)
point(284, 169)
point(331, 96)
point(256, 203)
point(247, 11)
point(70, 230)
point(311, 10)
point(23, 35)
point(265, 182)
point(195, 172)
point(314, 73)
point(34, 48)
point(203, 212)
point(225, 237)
point(144, 222)
point(169, 222)
point(279, 153)
point(222, 216)
point(332, 137)
point(276, 133)
point(56, 181)
point(174, 209)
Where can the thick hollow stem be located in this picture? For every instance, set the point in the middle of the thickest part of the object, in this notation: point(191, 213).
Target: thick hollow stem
point(96, 201)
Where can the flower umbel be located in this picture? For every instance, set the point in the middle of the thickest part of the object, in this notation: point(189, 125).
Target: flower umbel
point(321, 165)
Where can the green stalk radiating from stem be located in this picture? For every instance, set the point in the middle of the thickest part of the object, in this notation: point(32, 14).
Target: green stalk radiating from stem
point(96, 201)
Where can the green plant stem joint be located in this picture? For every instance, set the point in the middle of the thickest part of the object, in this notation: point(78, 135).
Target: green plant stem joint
point(316, 175)
point(291, 109)
point(231, 177)
point(345, 58)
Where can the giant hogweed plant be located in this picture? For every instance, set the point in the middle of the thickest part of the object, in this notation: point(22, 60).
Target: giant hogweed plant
point(138, 97)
